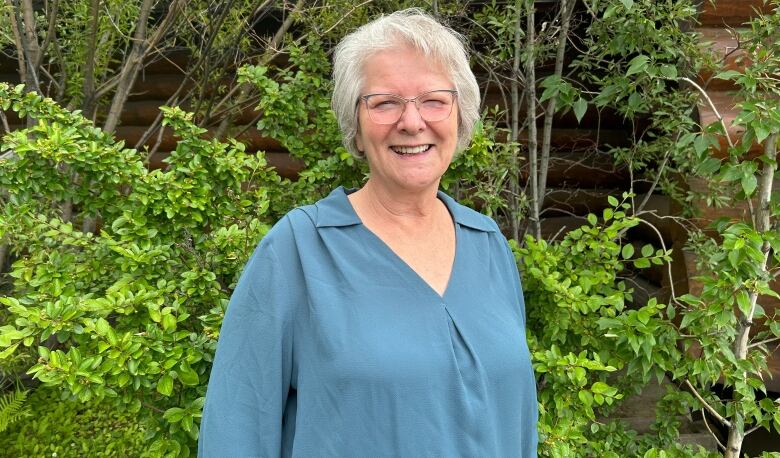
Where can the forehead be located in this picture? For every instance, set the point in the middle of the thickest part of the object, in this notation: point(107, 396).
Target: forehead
point(404, 71)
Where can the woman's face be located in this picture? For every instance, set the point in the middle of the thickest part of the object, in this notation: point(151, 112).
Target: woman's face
point(412, 154)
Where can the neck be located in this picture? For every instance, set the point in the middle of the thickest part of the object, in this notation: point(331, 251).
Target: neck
point(398, 207)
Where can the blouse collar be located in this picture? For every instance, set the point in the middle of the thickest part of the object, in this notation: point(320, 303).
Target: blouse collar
point(335, 210)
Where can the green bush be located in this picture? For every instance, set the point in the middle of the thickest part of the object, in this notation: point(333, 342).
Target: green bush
point(131, 314)
point(69, 428)
point(12, 408)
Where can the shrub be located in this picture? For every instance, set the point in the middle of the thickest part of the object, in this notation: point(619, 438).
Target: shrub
point(131, 314)
point(69, 428)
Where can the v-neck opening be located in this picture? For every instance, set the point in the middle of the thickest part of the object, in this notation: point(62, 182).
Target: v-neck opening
point(400, 260)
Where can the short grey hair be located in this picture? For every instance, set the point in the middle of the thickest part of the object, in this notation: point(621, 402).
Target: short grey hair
point(415, 28)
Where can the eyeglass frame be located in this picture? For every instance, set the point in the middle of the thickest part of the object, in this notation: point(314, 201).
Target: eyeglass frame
point(364, 98)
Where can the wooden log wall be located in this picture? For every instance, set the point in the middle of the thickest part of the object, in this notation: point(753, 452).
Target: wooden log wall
point(717, 22)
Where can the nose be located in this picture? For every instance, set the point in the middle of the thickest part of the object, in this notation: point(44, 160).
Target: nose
point(411, 121)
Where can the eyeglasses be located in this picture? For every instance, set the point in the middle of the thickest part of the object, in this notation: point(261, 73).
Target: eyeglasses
point(388, 108)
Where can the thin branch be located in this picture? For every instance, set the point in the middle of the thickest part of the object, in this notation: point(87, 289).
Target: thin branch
point(349, 13)
point(514, 120)
point(50, 31)
point(88, 88)
point(157, 142)
point(714, 436)
point(17, 41)
point(206, 49)
point(52, 80)
point(8, 155)
point(63, 73)
point(753, 429)
point(5, 121)
point(270, 53)
point(764, 342)
point(712, 106)
point(707, 406)
point(663, 247)
point(656, 180)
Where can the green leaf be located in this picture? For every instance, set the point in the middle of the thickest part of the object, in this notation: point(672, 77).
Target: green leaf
point(187, 375)
point(743, 301)
point(165, 385)
point(627, 251)
point(637, 64)
point(731, 172)
point(592, 219)
point(580, 107)
point(586, 398)
point(643, 316)
point(628, 4)
point(174, 414)
point(600, 387)
point(647, 250)
point(8, 351)
point(186, 423)
point(612, 201)
point(734, 257)
point(111, 337)
point(761, 132)
point(102, 327)
point(727, 75)
point(169, 322)
point(708, 167)
point(669, 71)
point(749, 184)
point(700, 144)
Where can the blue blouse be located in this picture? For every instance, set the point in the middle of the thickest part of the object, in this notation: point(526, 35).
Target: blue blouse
point(332, 346)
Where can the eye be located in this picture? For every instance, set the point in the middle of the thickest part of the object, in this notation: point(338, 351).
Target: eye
point(383, 103)
point(435, 101)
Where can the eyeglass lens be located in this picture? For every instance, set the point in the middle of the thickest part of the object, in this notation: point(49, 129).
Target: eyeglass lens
point(387, 108)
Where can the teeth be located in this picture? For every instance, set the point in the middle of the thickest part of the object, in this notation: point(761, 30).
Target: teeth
point(411, 149)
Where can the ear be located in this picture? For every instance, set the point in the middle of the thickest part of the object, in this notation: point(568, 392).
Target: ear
point(359, 140)
point(359, 144)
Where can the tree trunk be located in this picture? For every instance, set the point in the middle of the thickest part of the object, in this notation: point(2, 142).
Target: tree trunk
point(134, 62)
point(30, 43)
point(88, 88)
point(130, 68)
point(530, 91)
point(762, 224)
point(514, 186)
point(567, 7)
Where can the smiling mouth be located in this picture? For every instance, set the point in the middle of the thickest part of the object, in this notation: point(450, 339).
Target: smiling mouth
point(411, 150)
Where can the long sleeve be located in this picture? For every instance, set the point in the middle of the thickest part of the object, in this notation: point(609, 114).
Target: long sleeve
point(250, 379)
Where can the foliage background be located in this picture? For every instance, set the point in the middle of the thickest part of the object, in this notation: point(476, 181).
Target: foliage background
point(121, 272)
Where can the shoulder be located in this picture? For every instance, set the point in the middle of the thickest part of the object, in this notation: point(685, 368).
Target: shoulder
point(300, 226)
point(468, 217)
point(332, 210)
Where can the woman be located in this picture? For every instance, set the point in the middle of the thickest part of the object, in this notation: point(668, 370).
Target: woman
point(387, 321)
